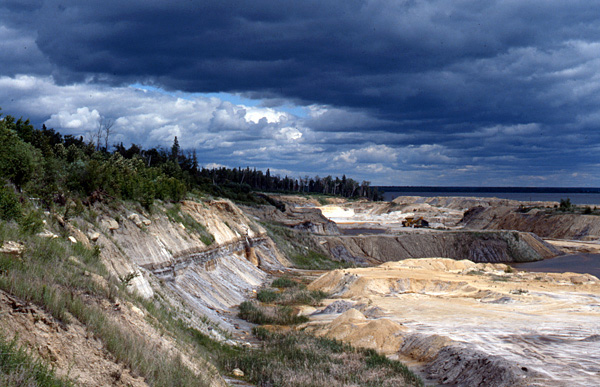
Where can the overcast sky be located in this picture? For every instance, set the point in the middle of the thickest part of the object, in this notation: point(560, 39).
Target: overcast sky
point(471, 92)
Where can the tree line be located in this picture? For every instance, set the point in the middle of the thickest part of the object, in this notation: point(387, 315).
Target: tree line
point(56, 168)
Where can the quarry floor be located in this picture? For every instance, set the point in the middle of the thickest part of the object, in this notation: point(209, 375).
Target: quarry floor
point(547, 324)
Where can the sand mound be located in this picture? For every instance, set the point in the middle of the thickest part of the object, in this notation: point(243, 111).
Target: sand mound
point(443, 264)
point(353, 327)
point(348, 317)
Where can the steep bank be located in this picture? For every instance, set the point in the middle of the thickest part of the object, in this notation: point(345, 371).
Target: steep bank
point(469, 324)
point(489, 246)
point(545, 223)
point(114, 293)
point(212, 271)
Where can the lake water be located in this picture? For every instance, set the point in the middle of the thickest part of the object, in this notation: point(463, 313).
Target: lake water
point(576, 198)
point(576, 263)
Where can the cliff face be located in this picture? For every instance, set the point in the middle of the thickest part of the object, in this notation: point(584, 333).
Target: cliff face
point(212, 264)
point(491, 246)
point(538, 221)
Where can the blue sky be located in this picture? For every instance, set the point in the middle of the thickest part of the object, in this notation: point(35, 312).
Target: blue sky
point(482, 93)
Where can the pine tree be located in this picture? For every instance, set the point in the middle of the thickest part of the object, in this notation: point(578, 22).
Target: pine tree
point(175, 150)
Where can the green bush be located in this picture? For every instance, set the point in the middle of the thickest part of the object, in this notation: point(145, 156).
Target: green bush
point(31, 223)
point(267, 296)
point(10, 208)
point(565, 205)
point(17, 158)
point(284, 282)
point(278, 315)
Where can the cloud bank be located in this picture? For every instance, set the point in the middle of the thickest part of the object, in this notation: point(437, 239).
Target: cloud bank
point(396, 92)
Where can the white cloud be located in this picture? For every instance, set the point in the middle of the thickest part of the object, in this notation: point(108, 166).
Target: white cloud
point(425, 154)
point(288, 134)
point(82, 120)
point(369, 154)
point(268, 115)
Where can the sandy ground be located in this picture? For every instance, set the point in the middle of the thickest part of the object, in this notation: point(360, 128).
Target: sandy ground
point(575, 246)
point(547, 324)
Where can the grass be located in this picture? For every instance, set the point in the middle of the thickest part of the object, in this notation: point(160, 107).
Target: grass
point(267, 295)
point(284, 282)
point(298, 359)
point(293, 296)
point(52, 274)
point(275, 315)
point(285, 291)
point(19, 368)
point(191, 225)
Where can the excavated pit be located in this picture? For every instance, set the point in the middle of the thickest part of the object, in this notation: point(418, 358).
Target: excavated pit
point(471, 324)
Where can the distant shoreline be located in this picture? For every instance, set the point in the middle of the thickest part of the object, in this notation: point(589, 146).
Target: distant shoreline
point(432, 189)
point(577, 195)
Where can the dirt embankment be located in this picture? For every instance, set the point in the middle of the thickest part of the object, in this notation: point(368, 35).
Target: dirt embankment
point(538, 221)
point(490, 246)
point(294, 216)
point(202, 258)
point(211, 275)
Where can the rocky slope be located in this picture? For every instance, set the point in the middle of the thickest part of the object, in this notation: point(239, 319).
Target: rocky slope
point(491, 246)
point(212, 278)
point(539, 221)
point(196, 260)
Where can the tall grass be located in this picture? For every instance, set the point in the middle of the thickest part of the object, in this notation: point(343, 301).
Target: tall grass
point(297, 359)
point(52, 274)
point(18, 368)
point(278, 315)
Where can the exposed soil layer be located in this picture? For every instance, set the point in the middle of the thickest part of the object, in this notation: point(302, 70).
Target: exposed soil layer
point(70, 349)
point(491, 246)
point(545, 223)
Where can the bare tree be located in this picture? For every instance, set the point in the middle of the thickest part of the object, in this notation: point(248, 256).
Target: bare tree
point(106, 124)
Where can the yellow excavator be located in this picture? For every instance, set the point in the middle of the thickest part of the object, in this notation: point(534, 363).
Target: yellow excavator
point(415, 222)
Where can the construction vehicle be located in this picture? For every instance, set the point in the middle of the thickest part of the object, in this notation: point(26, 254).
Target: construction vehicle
point(415, 222)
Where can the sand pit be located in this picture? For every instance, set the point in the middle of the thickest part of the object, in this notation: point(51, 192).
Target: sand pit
point(543, 329)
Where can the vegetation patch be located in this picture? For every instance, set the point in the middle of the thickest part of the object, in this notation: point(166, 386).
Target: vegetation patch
point(284, 282)
point(291, 293)
point(19, 368)
point(299, 359)
point(175, 214)
point(274, 315)
point(55, 274)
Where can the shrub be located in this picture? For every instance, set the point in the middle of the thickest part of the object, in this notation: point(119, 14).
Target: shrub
point(278, 315)
point(31, 223)
point(10, 208)
point(284, 282)
point(565, 205)
point(265, 295)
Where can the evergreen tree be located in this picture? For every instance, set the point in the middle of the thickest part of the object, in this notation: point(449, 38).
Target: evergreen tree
point(175, 149)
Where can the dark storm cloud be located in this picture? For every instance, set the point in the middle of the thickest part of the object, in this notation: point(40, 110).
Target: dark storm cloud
point(348, 53)
point(510, 83)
